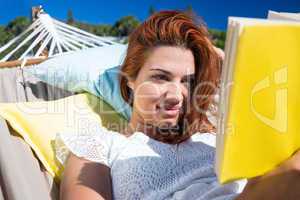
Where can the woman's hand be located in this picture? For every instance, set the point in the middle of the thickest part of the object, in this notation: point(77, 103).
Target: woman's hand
point(282, 183)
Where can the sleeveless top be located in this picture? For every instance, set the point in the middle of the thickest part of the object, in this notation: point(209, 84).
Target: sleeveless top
point(144, 168)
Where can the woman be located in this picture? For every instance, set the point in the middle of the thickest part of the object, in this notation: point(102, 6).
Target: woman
point(169, 76)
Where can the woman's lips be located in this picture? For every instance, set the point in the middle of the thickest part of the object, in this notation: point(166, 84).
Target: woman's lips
point(170, 111)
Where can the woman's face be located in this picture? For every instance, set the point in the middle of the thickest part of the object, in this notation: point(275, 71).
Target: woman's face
point(161, 86)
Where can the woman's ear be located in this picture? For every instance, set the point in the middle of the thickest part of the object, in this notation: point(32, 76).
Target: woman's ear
point(130, 84)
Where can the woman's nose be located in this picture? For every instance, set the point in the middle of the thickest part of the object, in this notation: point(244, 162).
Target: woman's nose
point(174, 93)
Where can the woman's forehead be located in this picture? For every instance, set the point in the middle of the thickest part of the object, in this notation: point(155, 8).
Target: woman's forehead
point(176, 60)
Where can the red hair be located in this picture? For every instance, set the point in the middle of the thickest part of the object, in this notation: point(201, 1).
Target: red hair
point(176, 28)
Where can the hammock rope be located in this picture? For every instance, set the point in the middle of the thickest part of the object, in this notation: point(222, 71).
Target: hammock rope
point(46, 33)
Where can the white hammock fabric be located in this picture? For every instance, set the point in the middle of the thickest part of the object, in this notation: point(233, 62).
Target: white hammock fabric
point(47, 32)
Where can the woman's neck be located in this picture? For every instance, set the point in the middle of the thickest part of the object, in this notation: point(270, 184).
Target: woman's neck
point(170, 135)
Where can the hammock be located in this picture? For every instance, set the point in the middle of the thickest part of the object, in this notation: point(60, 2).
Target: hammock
point(22, 177)
point(47, 37)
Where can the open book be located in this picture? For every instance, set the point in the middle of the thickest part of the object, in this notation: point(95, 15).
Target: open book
point(259, 110)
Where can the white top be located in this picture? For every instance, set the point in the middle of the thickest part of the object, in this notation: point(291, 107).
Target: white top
point(144, 168)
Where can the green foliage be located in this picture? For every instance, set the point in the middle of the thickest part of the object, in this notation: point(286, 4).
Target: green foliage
point(11, 30)
point(151, 10)
point(189, 9)
point(218, 37)
point(5, 36)
point(102, 30)
point(122, 28)
point(70, 17)
point(16, 26)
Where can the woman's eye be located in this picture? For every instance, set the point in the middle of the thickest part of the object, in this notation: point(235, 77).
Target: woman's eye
point(160, 77)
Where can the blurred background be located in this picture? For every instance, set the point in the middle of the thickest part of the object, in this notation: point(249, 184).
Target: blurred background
point(116, 19)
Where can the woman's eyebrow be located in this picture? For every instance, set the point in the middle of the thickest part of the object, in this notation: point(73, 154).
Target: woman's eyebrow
point(162, 70)
point(186, 77)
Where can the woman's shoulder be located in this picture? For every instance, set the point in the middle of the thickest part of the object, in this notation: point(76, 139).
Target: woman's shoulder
point(94, 144)
point(208, 138)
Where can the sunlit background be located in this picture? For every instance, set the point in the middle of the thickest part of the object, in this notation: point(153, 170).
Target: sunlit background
point(117, 18)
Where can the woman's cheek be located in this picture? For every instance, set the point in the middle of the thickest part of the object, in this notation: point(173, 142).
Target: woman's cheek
point(149, 91)
point(147, 96)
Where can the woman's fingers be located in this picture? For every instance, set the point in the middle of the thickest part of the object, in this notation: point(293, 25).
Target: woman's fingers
point(293, 162)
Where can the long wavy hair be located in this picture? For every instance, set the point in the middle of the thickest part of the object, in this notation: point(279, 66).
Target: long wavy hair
point(176, 28)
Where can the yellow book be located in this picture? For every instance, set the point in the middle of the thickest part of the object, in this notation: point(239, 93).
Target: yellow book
point(259, 123)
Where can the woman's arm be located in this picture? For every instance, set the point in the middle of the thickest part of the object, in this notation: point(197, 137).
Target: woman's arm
point(83, 179)
point(282, 183)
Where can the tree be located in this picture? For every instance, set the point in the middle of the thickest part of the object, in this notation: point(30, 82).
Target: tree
point(151, 10)
point(70, 17)
point(13, 28)
point(124, 26)
point(17, 26)
point(218, 37)
point(189, 9)
point(103, 29)
point(4, 36)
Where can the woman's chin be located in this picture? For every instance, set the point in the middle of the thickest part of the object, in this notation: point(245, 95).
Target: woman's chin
point(168, 122)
